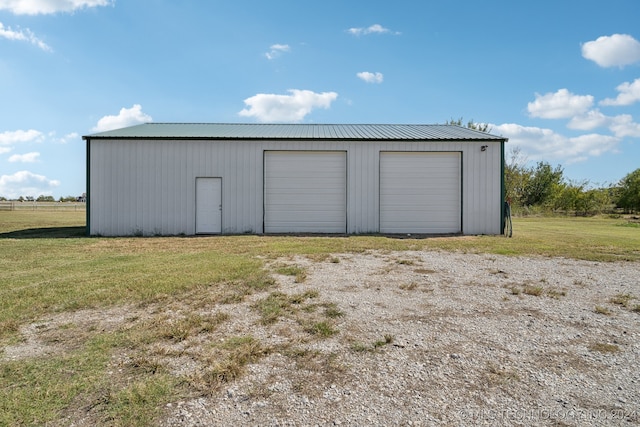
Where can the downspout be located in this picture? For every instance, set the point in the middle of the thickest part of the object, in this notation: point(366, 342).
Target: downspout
point(502, 188)
point(88, 190)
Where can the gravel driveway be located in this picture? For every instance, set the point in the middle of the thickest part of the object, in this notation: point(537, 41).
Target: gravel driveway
point(435, 338)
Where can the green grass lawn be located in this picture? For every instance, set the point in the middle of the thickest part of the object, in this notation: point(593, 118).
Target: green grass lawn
point(48, 266)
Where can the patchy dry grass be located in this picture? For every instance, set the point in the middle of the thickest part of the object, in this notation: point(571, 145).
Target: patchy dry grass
point(536, 290)
point(360, 347)
point(299, 307)
point(622, 299)
point(322, 329)
point(299, 273)
point(176, 295)
point(533, 290)
point(602, 310)
point(226, 362)
point(497, 375)
point(331, 310)
point(408, 286)
point(278, 304)
point(604, 348)
point(556, 293)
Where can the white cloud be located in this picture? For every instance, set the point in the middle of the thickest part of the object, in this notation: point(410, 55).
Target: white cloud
point(17, 136)
point(373, 29)
point(127, 117)
point(5, 150)
point(592, 145)
point(267, 107)
point(559, 105)
point(610, 51)
point(23, 36)
point(64, 139)
point(25, 183)
point(370, 77)
point(623, 125)
point(277, 50)
point(68, 137)
point(25, 158)
point(590, 120)
point(545, 144)
point(629, 94)
point(37, 7)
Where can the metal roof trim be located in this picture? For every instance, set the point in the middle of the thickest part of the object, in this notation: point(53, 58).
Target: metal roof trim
point(260, 131)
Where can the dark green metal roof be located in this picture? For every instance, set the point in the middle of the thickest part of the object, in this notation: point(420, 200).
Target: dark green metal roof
point(246, 131)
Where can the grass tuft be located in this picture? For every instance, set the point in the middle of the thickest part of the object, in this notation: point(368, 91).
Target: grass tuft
point(604, 348)
point(273, 307)
point(299, 273)
point(408, 286)
point(498, 375)
point(533, 290)
point(622, 299)
point(322, 329)
point(278, 304)
point(228, 362)
point(388, 339)
point(359, 347)
point(332, 311)
point(555, 293)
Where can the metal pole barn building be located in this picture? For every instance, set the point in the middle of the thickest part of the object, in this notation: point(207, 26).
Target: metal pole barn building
point(206, 178)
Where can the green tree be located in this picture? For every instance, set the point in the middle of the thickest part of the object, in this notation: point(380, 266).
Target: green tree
point(629, 192)
point(516, 176)
point(575, 197)
point(482, 127)
point(539, 188)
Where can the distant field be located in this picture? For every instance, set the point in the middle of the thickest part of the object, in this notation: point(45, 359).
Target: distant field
point(49, 267)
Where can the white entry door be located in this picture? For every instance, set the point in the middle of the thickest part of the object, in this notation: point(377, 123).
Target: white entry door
point(208, 205)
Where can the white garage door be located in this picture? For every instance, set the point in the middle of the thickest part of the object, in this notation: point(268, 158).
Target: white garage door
point(305, 192)
point(420, 192)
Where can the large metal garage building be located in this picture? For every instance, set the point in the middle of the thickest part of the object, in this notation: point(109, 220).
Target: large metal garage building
point(187, 178)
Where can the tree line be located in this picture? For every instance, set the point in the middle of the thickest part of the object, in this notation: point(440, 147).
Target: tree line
point(543, 188)
point(43, 198)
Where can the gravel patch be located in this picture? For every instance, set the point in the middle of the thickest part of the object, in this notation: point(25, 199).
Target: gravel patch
point(436, 338)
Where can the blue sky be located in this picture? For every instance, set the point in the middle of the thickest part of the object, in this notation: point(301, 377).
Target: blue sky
point(560, 79)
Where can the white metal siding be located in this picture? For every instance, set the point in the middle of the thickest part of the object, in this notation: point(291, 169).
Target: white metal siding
point(305, 191)
point(420, 192)
point(148, 186)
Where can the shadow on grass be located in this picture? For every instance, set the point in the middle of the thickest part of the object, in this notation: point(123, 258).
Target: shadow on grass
point(46, 233)
point(81, 231)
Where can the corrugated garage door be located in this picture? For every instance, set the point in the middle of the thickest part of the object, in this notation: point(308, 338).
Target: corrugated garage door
point(420, 192)
point(305, 192)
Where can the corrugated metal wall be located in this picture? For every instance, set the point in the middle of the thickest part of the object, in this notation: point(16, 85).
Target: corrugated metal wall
point(147, 187)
